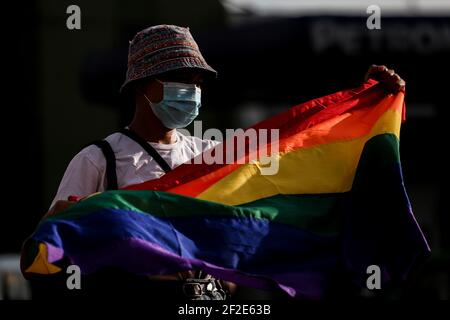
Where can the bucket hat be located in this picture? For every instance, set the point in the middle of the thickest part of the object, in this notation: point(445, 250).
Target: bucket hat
point(160, 49)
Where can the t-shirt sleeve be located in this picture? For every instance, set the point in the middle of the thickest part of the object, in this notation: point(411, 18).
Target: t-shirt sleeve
point(84, 175)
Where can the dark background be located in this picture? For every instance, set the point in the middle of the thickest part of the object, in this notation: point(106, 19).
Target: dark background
point(61, 91)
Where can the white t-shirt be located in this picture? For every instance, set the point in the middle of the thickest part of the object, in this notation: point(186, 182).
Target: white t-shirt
point(85, 174)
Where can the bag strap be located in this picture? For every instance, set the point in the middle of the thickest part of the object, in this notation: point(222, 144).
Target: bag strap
point(111, 175)
point(147, 147)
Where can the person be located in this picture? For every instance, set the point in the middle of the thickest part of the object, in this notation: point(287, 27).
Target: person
point(165, 75)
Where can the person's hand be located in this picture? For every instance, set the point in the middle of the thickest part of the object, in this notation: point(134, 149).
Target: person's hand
point(387, 77)
point(59, 206)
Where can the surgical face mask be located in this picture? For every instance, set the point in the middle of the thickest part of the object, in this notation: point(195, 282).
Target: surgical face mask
point(179, 106)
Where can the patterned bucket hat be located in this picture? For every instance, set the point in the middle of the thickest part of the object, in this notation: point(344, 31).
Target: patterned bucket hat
point(163, 48)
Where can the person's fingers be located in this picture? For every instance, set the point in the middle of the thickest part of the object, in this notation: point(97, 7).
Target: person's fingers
point(62, 204)
point(374, 71)
point(391, 81)
point(401, 85)
point(377, 68)
point(393, 84)
point(59, 206)
point(380, 68)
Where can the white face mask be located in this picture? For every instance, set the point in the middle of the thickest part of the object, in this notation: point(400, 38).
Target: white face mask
point(179, 106)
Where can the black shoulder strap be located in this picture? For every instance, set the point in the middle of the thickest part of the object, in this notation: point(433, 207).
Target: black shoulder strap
point(111, 175)
point(147, 147)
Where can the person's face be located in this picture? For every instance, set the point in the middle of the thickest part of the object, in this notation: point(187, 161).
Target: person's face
point(155, 90)
point(188, 76)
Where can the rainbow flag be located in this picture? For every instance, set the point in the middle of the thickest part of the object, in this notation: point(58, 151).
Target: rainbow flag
point(336, 206)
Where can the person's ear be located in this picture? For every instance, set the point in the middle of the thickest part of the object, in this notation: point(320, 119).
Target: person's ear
point(153, 89)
